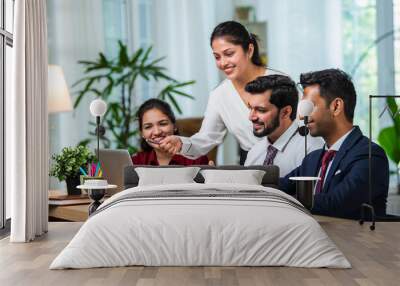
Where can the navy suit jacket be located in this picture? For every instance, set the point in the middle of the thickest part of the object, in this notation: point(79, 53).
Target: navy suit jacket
point(346, 184)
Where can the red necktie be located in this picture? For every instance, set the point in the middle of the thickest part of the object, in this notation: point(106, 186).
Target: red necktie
point(328, 156)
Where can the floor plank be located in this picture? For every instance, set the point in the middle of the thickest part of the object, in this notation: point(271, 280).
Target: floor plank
point(375, 257)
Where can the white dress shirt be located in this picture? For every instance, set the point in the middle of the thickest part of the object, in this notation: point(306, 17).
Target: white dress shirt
point(335, 147)
point(225, 111)
point(290, 147)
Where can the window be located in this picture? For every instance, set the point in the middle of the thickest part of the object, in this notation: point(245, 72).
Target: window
point(114, 28)
point(145, 41)
point(368, 57)
point(6, 43)
point(396, 24)
point(359, 58)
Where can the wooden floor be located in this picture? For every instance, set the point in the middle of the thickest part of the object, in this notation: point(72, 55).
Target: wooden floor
point(374, 255)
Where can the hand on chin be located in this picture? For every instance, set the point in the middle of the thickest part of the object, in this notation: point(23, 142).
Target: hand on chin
point(154, 142)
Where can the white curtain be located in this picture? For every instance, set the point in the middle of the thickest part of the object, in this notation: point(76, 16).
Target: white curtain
point(26, 130)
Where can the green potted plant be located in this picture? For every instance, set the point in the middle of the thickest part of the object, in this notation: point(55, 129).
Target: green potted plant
point(114, 81)
point(389, 139)
point(66, 166)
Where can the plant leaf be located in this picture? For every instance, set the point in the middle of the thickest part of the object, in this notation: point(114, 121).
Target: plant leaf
point(185, 83)
point(395, 113)
point(79, 98)
point(145, 56)
point(136, 56)
point(123, 58)
point(157, 61)
point(182, 94)
point(389, 140)
point(174, 103)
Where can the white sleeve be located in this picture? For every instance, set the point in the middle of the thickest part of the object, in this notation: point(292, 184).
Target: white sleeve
point(211, 134)
point(251, 156)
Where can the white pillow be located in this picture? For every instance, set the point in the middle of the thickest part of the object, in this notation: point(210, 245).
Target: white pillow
point(166, 176)
point(248, 177)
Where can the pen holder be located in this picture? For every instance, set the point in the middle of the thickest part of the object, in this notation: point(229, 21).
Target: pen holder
point(305, 187)
point(83, 178)
point(96, 195)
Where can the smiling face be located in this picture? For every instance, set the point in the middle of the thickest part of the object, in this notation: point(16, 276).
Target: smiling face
point(155, 127)
point(231, 58)
point(263, 114)
point(321, 121)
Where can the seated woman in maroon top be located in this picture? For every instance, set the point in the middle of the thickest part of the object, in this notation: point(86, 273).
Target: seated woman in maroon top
point(156, 121)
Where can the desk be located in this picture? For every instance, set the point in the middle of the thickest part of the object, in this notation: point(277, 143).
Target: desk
point(74, 213)
point(323, 219)
point(68, 208)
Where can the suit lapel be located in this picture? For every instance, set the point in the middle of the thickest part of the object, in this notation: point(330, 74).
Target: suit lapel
point(346, 145)
point(317, 165)
point(338, 158)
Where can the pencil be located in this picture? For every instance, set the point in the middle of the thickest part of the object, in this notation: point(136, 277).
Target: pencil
point(97, 169)
point(82, 171)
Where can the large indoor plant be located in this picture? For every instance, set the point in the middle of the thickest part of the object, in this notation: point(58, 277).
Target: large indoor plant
point(389, 138)
point(114, 81)
point(66, 165)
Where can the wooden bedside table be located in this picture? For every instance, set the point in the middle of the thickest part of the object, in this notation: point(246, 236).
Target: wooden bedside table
point(68, 208)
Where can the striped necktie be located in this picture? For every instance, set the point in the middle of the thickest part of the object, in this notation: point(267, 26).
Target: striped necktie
point(271, 153)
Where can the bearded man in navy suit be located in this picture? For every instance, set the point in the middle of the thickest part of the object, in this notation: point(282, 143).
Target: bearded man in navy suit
point(342, 164)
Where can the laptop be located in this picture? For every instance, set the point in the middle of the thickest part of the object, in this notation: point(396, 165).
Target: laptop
point(113, 163)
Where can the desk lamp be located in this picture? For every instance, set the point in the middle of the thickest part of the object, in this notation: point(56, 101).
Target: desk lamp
point(98, 108)
point(305, 109)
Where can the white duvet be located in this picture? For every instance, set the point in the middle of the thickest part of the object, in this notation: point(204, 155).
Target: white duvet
point(183, 231)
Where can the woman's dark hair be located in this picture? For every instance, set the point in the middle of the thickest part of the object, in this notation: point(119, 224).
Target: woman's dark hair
point(333, 83)
point(283, 91)
point(162, 106)
point(237, 34)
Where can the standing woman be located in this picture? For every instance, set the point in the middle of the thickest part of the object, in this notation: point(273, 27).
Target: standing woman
point(236, 53)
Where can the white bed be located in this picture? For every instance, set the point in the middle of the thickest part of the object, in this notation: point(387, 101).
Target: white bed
point(225, 225)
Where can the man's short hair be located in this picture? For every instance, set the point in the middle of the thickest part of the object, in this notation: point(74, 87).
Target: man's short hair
point(283, 91)
point(333, 83)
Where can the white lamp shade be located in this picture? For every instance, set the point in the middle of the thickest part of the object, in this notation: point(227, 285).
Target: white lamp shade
point(305, 107)
point(59, 99)
point(98, 107)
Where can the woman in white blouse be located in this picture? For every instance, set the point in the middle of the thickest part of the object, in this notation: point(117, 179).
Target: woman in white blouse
point(236, 53)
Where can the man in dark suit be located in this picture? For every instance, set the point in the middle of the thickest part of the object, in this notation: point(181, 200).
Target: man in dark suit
point(342, 164)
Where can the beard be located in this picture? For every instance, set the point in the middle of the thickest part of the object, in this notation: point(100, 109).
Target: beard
point(268, 129)
point(322, 129)
point(323, 126)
